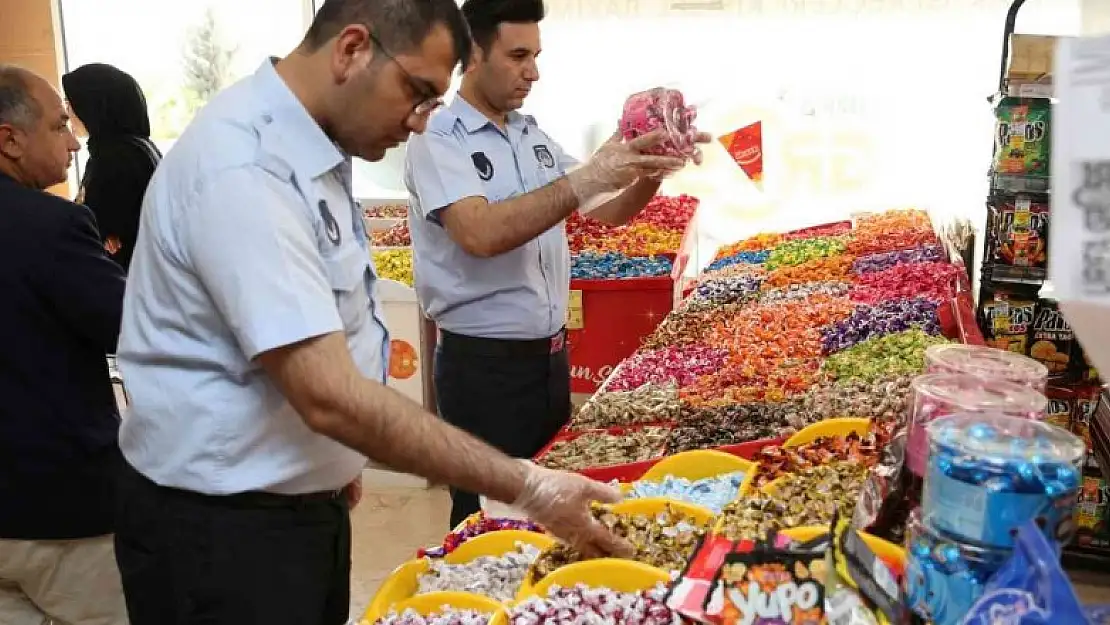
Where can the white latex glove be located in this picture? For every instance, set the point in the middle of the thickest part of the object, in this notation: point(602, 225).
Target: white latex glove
point(617, 164)
point(560, 502)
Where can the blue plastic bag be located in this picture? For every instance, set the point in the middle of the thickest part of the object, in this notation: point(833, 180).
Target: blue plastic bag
point(1029, 589)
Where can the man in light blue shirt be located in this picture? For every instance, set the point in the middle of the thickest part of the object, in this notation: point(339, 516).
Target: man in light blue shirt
point(491, 261)
point(253, 347)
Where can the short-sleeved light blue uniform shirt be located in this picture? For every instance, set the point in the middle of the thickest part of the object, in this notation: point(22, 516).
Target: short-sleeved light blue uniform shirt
point(250, 240)
point(521, 294)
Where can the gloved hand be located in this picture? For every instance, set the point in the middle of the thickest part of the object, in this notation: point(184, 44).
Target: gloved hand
point(617, 164)
point(560, 502)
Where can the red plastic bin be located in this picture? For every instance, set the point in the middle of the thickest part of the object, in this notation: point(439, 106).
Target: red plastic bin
point(617, 314)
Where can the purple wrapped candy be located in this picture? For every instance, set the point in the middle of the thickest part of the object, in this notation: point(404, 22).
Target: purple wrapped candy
point(667, 365)
point(889, 317)
point(885, 260)
point(582, 605)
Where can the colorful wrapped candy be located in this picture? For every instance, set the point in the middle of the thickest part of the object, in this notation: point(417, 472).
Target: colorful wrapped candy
point(444, 617)
point(610, 265)
point(476, 526)
point(582, 604)
point(881, 319)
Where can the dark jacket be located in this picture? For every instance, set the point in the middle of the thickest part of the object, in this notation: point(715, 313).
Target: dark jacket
point(122, 157)
point(61, 299)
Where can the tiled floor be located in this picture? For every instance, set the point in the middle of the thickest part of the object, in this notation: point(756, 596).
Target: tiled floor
point(393, 522)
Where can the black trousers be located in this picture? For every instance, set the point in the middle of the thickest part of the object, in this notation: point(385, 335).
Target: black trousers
point(515, 395)
point(192, 559)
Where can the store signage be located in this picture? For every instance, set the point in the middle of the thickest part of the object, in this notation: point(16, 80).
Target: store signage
point(587, 374)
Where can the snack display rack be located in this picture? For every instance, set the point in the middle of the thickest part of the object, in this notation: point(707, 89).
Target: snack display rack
point(1017, 310)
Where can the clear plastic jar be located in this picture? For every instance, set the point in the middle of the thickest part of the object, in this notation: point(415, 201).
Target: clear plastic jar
point(990, 474)
point(656, 108)
point(988, 363)
point(938, 394)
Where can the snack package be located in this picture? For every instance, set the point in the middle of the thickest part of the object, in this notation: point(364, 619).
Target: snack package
point(745, 146)
point(889, 492)
point(692, 591)
point(1086, 402)
point(1052, 339)
point(772, 587)
point(656, 108)
point(1017, 229)
point(1090, 513)
point(1085, 370)
point(1029, 589)
point(1061, 406)
point(863, 588)
point(1007, 319)
point(1022, 137)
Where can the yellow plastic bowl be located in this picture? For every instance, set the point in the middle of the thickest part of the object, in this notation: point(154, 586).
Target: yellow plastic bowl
point(433, 602)
point(698, 465)
point(496, 544)
point(400, 586)
point(885, 550)
point(828, 427)
point(651, 506)
point(402, 583)
point(619, 575)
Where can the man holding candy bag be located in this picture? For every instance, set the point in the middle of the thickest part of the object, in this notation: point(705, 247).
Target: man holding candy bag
point(489, 191)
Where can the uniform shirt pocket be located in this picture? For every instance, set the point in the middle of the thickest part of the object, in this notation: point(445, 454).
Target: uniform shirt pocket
point(346, 269)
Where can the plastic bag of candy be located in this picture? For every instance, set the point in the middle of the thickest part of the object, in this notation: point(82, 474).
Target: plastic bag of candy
point(889, 492)
point(650, 110)
point(1030, 589)
point(864, 590)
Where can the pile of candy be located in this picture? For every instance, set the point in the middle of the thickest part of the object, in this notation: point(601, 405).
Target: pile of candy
point(601, 448)
point(636, 249)
point(476, 526)
point(397, 236)
point(394, 265)
point(783, 330)
point(490, 576)
point(665, 541)
point(582, 605)
point(607, 265)
point(445, 617)
point(774, 462)
point(712, 493)
point(807, 498)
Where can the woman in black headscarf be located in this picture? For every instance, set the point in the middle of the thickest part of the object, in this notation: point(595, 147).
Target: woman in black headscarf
point(111, 108)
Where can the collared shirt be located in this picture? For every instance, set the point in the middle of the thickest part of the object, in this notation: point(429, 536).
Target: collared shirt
point(521, 294)
point(250, 240)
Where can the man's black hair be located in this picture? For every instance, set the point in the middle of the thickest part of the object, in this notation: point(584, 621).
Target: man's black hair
point(18, 106)
point(399, 25)
point(485, 16)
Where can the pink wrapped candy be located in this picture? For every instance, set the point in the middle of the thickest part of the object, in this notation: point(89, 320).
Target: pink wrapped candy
point(656, 108)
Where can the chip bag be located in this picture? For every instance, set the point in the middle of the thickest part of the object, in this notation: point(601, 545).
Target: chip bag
point(863, 588)
point(1029, 589)
point(767, 587)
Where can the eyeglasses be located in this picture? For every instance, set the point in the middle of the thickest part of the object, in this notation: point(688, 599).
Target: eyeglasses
point(428, 101)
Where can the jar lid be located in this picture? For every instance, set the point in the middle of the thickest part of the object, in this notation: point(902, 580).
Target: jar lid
point(985, 362)
point(966, 393)
point(998, 438)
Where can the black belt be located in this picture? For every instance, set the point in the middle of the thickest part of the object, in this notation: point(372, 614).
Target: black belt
point(249, 499)
point(477, 346)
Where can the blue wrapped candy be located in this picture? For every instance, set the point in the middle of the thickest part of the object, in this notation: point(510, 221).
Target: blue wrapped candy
point(609, 265)
point(990, 474)
point(944, 577)
point(747, 258)
point(713, 493)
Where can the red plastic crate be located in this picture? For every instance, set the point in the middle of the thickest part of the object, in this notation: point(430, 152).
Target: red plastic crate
point(616, 316)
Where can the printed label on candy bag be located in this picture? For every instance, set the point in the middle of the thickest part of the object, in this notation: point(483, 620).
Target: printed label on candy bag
point(1006, 606)
point(774, 589)
point(974, 513)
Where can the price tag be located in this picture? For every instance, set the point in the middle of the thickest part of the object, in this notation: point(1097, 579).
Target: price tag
point(575, 318)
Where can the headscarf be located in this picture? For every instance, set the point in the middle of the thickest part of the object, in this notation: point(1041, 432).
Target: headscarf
point(108, 101)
